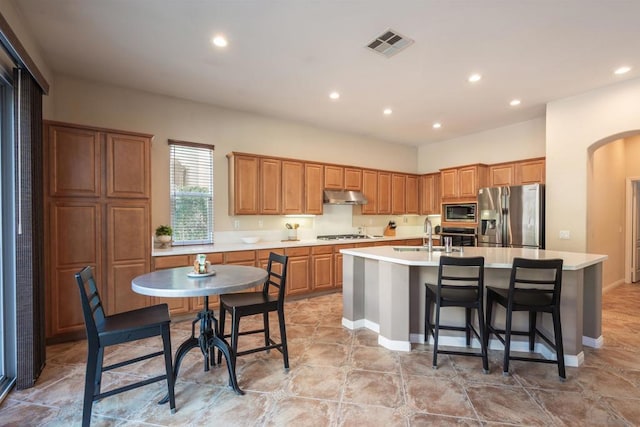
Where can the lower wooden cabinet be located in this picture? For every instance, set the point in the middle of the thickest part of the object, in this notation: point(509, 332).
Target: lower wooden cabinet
point(298, 271)
point(322, 266)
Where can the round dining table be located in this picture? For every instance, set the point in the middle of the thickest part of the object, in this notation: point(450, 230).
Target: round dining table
point(182, 282)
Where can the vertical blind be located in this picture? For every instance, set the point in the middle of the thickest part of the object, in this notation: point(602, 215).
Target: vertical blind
point(191, 197)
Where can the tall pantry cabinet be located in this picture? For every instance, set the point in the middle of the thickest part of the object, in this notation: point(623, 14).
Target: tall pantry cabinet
point(97, 213)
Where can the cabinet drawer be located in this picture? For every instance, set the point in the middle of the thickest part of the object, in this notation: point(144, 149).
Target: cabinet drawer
point(304, 251)
point(170, 261)
point(239, 256)
point(316, 250)
point(347, 246)
point(263, 254)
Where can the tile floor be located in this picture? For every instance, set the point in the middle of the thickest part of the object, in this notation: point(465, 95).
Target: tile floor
point(344, 378)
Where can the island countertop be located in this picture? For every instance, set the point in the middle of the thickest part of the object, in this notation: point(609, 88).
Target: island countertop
point(493, 257)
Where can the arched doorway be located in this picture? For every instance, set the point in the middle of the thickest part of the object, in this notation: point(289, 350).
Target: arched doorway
point(612, 164)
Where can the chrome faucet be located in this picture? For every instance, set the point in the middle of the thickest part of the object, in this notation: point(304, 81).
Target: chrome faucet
point(428, 231)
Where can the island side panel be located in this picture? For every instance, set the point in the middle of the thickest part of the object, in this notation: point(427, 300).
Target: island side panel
point(592, 325)
point(353, 277)
point(394, 311)
point(371, 295)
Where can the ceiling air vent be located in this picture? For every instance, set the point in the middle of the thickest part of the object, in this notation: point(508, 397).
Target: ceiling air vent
point(389, 43)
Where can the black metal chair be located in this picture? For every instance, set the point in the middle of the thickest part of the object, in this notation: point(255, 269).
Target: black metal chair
point(263, 302)
point(460, 284)
point(104, 331)
point(534, 287)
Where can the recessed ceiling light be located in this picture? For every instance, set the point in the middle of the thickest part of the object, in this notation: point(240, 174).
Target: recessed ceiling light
point(334, 95)
point(220, 41)
point(387, 111)
point(437, 125)
point(514, 102)
point(622, 70)
point(474, 78)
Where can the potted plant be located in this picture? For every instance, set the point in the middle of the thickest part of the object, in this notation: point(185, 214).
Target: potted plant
point(164, 233)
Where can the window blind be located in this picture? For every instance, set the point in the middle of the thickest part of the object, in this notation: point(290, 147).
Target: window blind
point(191, 193)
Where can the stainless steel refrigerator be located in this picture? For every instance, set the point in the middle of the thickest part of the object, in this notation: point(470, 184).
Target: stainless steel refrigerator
point(511, 216)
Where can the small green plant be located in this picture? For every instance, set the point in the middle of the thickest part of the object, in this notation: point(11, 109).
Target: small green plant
point(164, 230)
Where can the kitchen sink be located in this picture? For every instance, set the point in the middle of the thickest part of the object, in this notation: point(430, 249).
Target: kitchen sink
point(422, 249)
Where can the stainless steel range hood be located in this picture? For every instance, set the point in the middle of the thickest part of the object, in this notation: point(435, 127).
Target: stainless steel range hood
point(342, 197)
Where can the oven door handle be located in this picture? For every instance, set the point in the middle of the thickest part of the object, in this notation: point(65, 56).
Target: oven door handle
point(458, 234)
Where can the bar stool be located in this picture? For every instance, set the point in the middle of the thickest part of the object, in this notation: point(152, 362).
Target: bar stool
point(460, 284)
point(534, 287)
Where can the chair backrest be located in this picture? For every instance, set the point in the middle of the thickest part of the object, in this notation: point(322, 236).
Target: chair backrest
point(461, 273)
point(537, 276)
point(91, 304)
point(276, 274)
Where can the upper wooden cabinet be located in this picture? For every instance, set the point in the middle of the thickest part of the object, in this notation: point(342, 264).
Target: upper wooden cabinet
point(384, 192)
point(370, 191)
point(244, 184)
point(270, 186)
point(128, 166)
point(333, 177)
point(412, 200)
point(313, 180)
point(501, 174)
point(398, 193)
point(463, 182)
point(293, 187)
point(353, 179)
point(530, 171)
point(429, 187)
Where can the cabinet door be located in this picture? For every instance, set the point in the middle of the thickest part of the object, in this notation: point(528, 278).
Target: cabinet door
point(337, 263)
point(128, 253)
point(244, 178)
point(270, 186)
point(530, 172)
point(502, 174)
point(468, 182)
point(322, 272)
point(353, 179)
point(411, 201)
point(298, 276)
point(398, 194)
point(74, 162)
point(384, 192)
point(333, 177)
point(449, 183)
point(370, 191)
point(292, 187)
point(127, 165)
point(429, 194)
point(74, 242)
point(313, 178)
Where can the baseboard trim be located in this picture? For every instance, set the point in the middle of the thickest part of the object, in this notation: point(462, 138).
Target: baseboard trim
point(394, 345)
point(593, 342)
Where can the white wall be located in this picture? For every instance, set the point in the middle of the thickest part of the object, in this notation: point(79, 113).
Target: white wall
point(573, 125)
point(514, 142)
point(88, 103)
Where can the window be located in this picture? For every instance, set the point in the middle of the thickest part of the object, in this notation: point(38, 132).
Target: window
point(191, 192)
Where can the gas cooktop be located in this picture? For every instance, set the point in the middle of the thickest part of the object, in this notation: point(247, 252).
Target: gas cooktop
point(343, 237)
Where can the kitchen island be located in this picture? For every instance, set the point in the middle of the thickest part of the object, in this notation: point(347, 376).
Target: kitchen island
point(383, 291)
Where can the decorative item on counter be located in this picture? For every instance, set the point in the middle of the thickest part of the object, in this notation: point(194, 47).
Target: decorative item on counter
point(390, 229)
point(292, 231)
point(164, 235)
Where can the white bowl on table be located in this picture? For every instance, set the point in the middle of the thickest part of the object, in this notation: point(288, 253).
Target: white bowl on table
point(250, 240)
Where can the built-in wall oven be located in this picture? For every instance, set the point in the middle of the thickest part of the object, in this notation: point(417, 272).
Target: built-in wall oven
point(459, 212)
point(460, 236)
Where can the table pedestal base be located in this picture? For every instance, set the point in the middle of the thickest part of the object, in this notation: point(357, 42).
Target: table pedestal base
point(208, 341)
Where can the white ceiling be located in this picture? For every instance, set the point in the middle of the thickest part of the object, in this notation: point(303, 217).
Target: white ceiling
point(285, 56)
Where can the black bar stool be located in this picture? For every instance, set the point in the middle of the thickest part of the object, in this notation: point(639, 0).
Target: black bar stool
point(534, 287)
point(460, 284)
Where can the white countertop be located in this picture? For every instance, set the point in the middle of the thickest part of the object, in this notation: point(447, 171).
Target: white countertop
point(230, 247)
point(493, 257)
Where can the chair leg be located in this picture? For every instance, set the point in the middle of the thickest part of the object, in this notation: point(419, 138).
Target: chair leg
point(532, 330)
point(235, 331)
point(90, 385)
point(507, 342)
point(487, 324)
point(436, 332)
point(166, 343)
point(467, 318)
point(220, 332)
point(283, 338)
point(557, 329)
point(483, 344)
point(427, 316)
point(265, 321)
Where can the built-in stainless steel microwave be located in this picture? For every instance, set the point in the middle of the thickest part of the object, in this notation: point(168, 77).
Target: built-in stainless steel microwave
point(460, 212)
